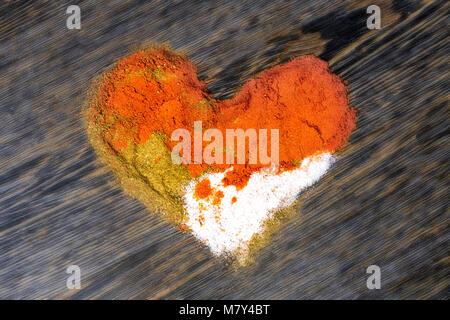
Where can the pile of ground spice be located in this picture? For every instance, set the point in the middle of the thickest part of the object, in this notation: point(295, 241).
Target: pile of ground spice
point(203, 189)
point(157, 90)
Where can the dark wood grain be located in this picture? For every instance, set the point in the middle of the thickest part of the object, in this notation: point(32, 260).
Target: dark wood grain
point(385, 202)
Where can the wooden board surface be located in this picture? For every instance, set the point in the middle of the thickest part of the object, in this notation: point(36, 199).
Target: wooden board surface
point(384, 203)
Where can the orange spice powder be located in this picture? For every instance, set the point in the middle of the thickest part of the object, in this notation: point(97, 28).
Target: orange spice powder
point(203, 189)
point(157, 90)
point(218, 195)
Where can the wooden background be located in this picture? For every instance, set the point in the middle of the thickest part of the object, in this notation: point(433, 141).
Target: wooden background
point(384, 203)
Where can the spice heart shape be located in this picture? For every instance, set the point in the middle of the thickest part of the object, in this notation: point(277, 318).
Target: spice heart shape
point(168, 142)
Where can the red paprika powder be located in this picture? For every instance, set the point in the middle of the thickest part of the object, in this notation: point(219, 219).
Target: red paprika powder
point(157, 90)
